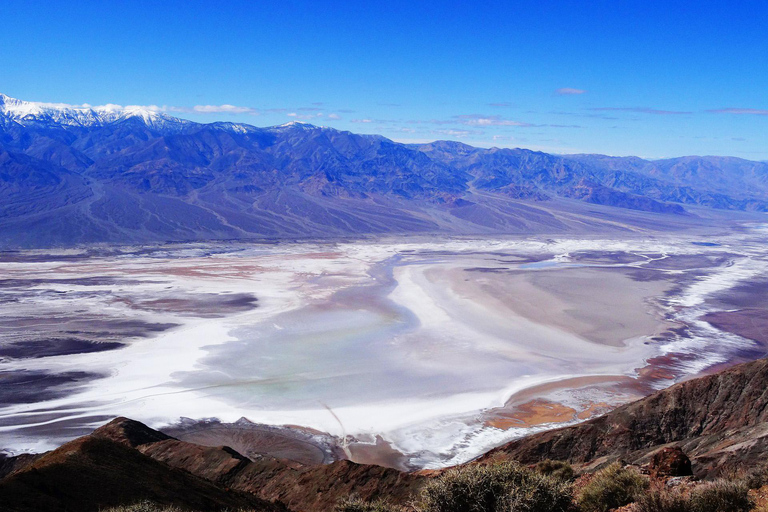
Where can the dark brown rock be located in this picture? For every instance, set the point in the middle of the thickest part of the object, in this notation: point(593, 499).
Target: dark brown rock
point(670, 461)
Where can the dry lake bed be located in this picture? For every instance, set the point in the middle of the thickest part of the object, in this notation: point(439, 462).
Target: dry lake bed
point(412, 352)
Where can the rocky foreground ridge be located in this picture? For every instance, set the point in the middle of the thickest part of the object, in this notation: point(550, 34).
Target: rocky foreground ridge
point(720, 421)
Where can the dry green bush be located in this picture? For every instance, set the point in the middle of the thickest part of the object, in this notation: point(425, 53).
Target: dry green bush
point(721, 496)
point(754, 477)
point(556, 469)
point(148, 506)
point(717, 496)
point(612, 487)
point(145, 506)
point(662, 500)
point(354, 504)
point(505, 487)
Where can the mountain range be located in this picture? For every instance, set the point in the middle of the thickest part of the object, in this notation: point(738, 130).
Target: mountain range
point(71, 175)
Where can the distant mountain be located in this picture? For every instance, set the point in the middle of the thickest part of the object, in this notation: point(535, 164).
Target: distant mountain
point(127, 174)
point(28, 113)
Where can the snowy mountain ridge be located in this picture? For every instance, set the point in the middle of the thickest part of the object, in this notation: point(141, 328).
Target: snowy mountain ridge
point(26, 113)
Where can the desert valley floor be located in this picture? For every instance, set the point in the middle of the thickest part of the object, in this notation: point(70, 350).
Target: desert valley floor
point(410, 352)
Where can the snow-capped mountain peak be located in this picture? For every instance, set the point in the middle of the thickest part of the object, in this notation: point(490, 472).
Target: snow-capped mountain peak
point(299, 124)
point(32, 112)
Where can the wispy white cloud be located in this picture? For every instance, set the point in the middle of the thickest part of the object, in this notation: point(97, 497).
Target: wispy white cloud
point(481, 120)
point(313, 111)
point(456, 133)
point(196, 109)
point(304, 117)
point(375, 121)
point(740, 111)
point(641, 110)
point(580, 114)
point(569, 91)
point(213, 109)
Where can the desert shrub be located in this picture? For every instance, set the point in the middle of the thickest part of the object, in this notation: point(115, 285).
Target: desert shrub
point(612, 487)
point(556, 469)
point(145, 506)
point(754, 477)
point(662, 500)
point(721, 496)
point(148, 506)
point(505, 487)
point(354, 504)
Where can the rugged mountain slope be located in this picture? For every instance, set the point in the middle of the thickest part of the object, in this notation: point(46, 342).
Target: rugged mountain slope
point(720, 421)
point(93, 473)
point(125, 461)
point(108, 174)
point(301, 487)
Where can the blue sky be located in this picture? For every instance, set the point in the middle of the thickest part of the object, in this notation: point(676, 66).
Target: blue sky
point(645, 78)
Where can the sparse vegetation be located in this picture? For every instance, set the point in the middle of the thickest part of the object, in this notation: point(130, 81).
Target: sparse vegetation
point(354, 504)
point(556, 469)
point(510, 487)
point(149, 506)
point(754, 477)
point(721, 496)
point(662, 500)
point(612, 487)
point(505, 487)
point(146, 506)
point(717, 496)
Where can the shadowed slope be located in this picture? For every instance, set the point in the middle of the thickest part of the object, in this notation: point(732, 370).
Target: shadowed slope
point(94, 472)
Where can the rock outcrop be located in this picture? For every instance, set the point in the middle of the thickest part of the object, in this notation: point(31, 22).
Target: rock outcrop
point(93, 473)
point(720, 421)
point(125, 462)
point(670, 461)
